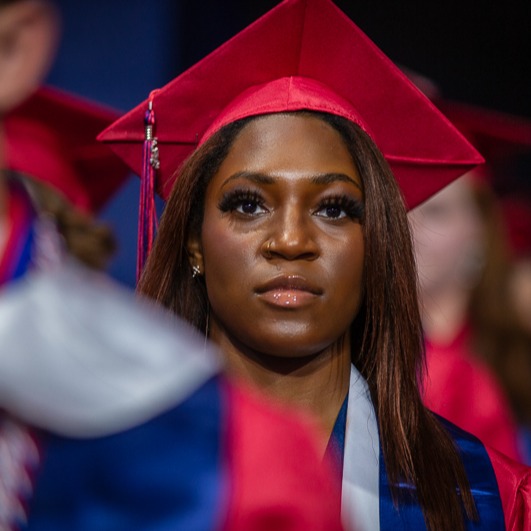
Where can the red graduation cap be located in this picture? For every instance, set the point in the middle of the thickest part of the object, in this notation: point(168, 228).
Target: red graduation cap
point(51, 137)
point(303, 54)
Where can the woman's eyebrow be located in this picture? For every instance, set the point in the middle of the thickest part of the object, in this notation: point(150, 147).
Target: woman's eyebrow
point(329, 178)
point(262, 178)
point(255, 177)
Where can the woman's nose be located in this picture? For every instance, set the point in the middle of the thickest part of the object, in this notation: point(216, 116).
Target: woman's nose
point(292, 236)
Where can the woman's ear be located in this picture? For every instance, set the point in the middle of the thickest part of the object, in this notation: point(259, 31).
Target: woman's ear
point(29, 32)
point(195, 253)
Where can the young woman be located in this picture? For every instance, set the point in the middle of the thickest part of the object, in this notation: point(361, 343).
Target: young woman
point(285, 240)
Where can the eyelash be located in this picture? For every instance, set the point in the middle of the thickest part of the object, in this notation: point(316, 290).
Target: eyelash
point(234, 199)
point(353, 208)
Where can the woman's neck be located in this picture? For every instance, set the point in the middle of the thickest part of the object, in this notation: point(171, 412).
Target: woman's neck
point(317, 384)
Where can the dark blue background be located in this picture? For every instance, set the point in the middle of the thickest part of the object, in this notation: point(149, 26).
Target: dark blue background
point(115, 52)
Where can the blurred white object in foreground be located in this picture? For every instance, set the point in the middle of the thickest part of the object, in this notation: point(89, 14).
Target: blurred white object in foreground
point(82, 356)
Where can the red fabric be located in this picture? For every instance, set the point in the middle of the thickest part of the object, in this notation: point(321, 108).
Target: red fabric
point(463, 390)
point(52, 137)
point(276, 482)
point(34, 150)
point(514, 483)
point(311, 40)
point(286, 94)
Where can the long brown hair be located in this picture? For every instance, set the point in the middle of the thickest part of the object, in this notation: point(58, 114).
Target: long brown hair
point(386, 334)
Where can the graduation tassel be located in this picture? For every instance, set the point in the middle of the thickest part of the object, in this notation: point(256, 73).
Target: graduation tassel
point(147, 214)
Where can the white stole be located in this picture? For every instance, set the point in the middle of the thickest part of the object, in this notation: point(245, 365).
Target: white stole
point(360, 504)
point(84, 357)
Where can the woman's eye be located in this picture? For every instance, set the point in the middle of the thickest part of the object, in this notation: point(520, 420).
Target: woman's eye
point(247, 203)
point(249, 207)
point(332, 211)
point(340, 207)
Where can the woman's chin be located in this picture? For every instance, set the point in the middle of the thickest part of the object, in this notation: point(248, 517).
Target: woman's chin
point(281, 350)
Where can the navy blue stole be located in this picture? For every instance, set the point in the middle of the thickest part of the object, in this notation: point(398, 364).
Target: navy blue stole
point(164, 475)
point(409, 515)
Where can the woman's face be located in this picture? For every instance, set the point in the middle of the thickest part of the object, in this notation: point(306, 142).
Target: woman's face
point(281, 241)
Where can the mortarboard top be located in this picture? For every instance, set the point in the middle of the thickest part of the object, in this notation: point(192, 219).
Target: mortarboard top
point(303, 54)
point(51, 137)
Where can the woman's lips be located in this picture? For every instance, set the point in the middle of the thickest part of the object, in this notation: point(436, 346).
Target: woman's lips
point(288, 292)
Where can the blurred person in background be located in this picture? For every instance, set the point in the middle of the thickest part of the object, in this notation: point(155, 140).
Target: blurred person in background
point(478, 354)
point(49, 151)
point(110, 417)
point(452, 250)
